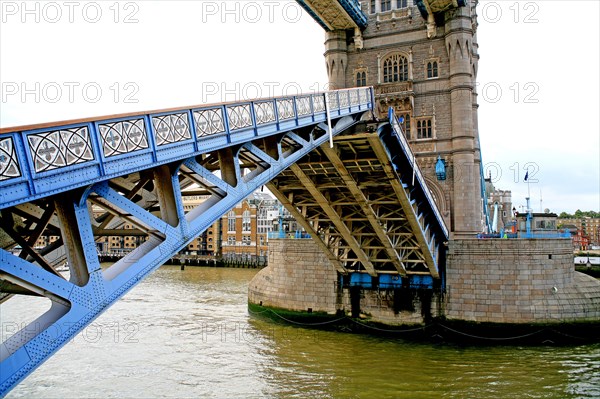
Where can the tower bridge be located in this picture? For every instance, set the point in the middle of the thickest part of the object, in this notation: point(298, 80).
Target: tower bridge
point(383, 173)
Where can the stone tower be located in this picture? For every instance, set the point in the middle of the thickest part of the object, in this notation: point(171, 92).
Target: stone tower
point(421, 57)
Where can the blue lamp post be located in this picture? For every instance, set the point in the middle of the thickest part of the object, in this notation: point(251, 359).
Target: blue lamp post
point(440, 169)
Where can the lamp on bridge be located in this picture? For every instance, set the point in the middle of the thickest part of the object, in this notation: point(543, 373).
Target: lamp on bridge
point(440, 169)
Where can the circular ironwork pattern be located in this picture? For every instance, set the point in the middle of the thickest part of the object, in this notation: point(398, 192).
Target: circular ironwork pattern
point(264, 112)
point(171, 128)
point(9, 164)
point(285, 109)
point(239, 116)
point(60, 148)
point(209, 121)
point(123, 137)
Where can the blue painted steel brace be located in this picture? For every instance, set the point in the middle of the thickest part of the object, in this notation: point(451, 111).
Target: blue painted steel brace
point(77, 166)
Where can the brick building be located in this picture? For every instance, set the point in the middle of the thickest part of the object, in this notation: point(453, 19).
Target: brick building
point(587, 227)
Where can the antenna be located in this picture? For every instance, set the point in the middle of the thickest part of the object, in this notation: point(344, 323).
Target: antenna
point(541, 207)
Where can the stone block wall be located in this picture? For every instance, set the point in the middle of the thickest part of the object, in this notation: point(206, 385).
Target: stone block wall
point(299, 277)
point(518, 281)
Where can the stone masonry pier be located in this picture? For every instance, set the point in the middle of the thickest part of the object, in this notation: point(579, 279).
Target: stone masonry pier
point(518, 281)
point(299, 277)
point(503, 281)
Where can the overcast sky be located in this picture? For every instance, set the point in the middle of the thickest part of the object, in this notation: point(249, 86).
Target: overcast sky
point(539, 88)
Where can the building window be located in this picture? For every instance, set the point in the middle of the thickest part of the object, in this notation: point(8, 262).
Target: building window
point(373, 6)
point(395, 69)
point(246, 240)
point(361, 79)
point(432, 69)
point(246, 221)
point(231, 241)
point(231, 221)
point(386, 5)
point(425, 129)
point(402, 3)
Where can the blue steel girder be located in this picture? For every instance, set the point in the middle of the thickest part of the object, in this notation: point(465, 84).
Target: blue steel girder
point(137, 170)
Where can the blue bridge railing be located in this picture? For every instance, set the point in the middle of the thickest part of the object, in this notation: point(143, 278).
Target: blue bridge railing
point(41, 160)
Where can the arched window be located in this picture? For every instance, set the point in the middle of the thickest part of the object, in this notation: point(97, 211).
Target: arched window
point(395, 69)
point(432, 69)
point(361, 79)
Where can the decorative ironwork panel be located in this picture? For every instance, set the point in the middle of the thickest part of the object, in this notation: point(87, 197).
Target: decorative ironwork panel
point(9, 164)
point(60, 148)
point(123, 137)
point(319, 103)
point(303, 106)
point(264, 112)
point(239, 116)
point(209, 121)
point(354, 97)
point(332, 102)
point(171, 128)
point(285, 108)
point(343, 98)
point(364, 96)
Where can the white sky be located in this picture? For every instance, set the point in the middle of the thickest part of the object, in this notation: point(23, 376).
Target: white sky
point(539, 87)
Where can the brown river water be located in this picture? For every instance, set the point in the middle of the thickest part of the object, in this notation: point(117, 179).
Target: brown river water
point(188, 334)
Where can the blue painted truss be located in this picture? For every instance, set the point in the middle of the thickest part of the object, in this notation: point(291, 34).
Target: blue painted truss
point(80, 179)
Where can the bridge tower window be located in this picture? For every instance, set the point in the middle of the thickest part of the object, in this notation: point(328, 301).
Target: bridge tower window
point(402, 4)
point(386, 5)
point(432, 69)
point(395, 69)
point(372, 6)
point(361, 79)
point(425, 129)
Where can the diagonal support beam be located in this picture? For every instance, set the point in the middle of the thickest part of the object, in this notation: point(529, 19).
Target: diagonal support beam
point(6, 224)
point(379, 150)
point(335, 218)
point(307, 226)
point(361, 200)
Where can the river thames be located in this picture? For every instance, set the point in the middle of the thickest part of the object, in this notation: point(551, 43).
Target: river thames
point(189, 334)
